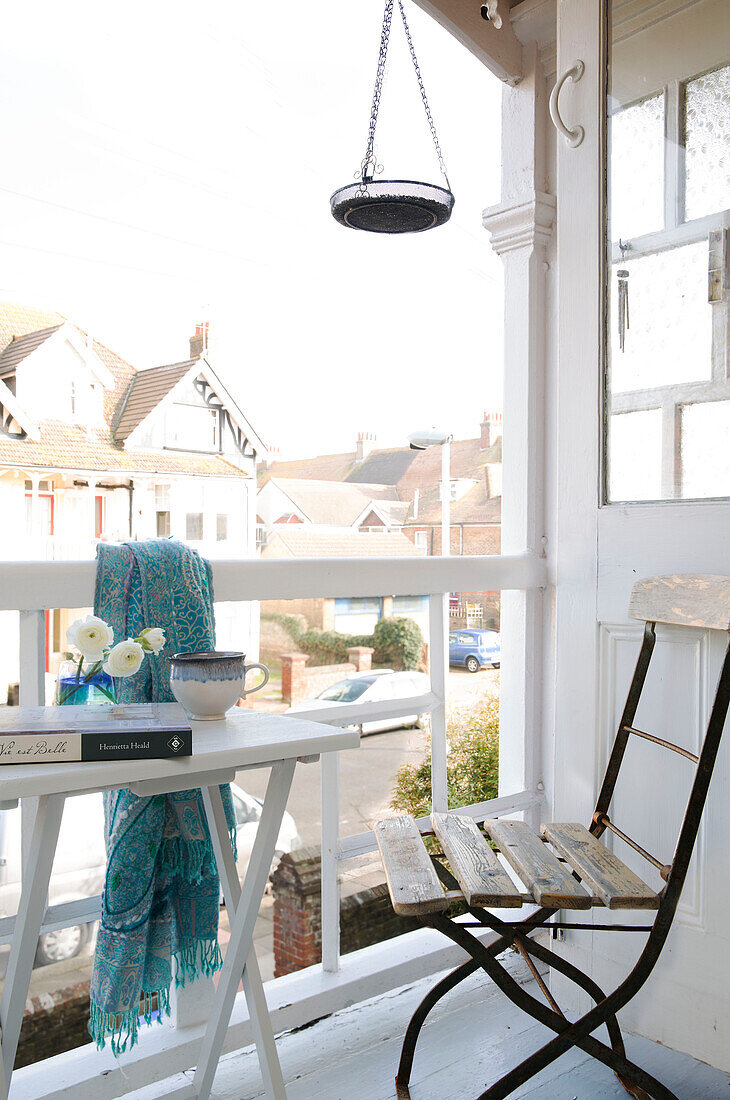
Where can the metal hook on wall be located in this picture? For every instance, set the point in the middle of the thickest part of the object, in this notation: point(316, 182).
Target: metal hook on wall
point(491, 14)
point(573, 137)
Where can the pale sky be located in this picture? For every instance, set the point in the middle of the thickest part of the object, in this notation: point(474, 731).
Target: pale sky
point(165, 163)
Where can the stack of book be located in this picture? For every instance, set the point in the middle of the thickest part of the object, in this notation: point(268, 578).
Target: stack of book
point(144, 731)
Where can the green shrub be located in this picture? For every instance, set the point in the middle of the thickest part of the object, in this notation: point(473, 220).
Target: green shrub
point(472, 763)
point(397, 642)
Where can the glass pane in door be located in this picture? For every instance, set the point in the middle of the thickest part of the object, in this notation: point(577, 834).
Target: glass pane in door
point(668, 222)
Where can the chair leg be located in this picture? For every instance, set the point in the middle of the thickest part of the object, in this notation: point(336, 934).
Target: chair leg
point(545, 1015)
point(417, 1021)
point(556, 962)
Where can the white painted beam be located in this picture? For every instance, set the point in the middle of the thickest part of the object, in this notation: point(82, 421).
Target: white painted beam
point(27, 586)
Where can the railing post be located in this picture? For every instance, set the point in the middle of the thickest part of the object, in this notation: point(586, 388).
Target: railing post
point(32, 693)
point(330, 875)
point(438, 662)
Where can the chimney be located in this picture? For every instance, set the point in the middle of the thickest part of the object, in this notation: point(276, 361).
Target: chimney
point(491, 429)
point(365, 444)
point(199, 342)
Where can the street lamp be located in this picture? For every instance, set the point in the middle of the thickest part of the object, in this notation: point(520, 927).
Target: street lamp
point(421, 441)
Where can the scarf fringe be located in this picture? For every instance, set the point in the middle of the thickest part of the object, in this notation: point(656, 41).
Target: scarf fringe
point(122, 1028)
point(196, 959)
point(191, 859)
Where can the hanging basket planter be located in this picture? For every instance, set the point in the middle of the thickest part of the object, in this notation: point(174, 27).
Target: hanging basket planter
point(393, 206)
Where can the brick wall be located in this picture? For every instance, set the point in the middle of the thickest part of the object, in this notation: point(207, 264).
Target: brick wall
point(54, 1022)
point(299, 683)
point(366, 917)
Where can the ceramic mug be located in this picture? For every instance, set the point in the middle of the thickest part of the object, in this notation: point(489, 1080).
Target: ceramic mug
point(207, 684)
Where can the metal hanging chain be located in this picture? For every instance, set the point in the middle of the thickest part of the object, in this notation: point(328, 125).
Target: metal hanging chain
point(426, 107)
point(369, 164)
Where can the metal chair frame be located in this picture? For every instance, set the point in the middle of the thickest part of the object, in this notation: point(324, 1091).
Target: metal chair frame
point(637, 1081)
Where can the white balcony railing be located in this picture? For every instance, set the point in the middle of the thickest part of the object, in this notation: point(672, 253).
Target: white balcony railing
point(31, 588)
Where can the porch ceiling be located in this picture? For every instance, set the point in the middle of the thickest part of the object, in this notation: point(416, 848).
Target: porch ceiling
point(500, 50)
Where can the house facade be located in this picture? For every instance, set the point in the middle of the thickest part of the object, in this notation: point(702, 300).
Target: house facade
point(387, 489)
point(92, 449)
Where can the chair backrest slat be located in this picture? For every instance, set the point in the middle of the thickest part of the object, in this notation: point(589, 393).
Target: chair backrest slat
point(689, 599)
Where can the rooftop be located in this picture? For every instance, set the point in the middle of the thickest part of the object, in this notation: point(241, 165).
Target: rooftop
point(71, 447)
point(338, 503)
point(302, 541)
point(146, 390)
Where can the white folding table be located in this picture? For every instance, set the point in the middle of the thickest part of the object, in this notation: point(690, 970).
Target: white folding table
point(244, 739)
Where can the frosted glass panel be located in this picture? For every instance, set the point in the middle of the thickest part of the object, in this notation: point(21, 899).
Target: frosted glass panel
point(708, 143)
point(706, 449)
point(637, 168)
point(635, 456)
point(667, 262)
point(669, 336)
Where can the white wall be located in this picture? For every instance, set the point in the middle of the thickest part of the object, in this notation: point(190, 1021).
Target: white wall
point(44, 381)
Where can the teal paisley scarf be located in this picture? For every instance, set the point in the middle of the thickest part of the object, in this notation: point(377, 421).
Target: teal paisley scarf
point(159, 918)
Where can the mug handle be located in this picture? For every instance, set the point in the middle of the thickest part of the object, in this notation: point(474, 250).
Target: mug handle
point(264, 682)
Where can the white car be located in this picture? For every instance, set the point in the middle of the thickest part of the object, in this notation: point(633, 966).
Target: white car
point(80, 863)
point(378, 685)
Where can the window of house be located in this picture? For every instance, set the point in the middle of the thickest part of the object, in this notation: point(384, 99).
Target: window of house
point(408, 605)
point(45, 513)
point(420, 540)
point(221, 528)
point(194, 526)
point(163, 525)
point(668, 293)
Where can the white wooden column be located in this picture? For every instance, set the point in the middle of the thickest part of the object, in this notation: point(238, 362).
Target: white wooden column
point(35, 513)
point(521, 229)
point(92, 505)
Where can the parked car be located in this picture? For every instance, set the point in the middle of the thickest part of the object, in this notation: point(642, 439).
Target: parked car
point(475, 649)
point(370, 687)
point(80, 863)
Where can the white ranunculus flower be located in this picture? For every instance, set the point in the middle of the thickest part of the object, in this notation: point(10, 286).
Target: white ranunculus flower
point(153, 638)
point(124, 659)
point(91, 636)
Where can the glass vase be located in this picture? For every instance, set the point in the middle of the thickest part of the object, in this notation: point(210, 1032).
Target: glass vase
point(80, 688)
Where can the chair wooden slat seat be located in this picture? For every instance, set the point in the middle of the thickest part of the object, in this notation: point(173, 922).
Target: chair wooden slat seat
point(615, 884)
point(479, 873)
point(413, 884)
point(548, 880)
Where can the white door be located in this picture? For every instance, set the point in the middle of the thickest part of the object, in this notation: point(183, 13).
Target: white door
point(658, 501)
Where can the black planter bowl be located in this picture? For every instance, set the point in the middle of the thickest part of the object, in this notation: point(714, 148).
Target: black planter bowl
point(392, 206)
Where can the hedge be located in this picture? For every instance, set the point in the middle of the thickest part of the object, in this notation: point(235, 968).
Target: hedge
point(397, 643)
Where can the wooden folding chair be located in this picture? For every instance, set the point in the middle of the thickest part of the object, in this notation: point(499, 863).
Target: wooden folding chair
point(556, 865)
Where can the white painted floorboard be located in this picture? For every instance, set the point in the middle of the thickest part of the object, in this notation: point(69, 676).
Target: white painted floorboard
point(472, 1037)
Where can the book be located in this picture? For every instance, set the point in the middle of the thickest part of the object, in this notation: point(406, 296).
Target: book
point(139, 731)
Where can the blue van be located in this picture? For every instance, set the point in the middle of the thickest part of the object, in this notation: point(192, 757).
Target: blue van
point(474, 649)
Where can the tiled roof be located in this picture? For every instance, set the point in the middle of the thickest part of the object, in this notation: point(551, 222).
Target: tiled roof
point(21, 346)
point(320, 468)
point(308, 542)
point(338, 503)
point(72, 447)
point(383, 467)
point(474, 507)
point(19, 320)
point(147, 389)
